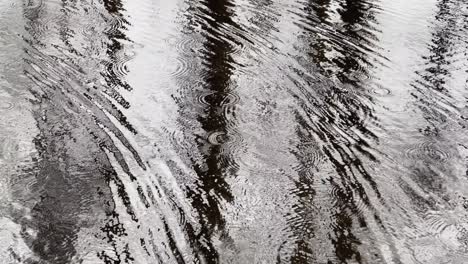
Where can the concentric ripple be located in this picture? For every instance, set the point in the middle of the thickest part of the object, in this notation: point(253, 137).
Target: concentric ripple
point(381, 90)
point(211, 98)
point(427, 151)
point(179, 67)
point(6, 104)
point(120, 67)
point(223, 138)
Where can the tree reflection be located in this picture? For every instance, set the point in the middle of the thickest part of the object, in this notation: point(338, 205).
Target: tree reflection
point(435, 95)
point(339, 137)
point(74, 170)
point(216, 133)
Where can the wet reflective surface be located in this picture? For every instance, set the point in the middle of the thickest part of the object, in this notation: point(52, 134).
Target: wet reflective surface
point(234, 131)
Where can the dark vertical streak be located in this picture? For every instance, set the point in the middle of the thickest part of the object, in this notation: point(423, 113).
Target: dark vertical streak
point(211, 165)
point(431, 91)
point(342, 107)
point(211, 174)
point(74, 171)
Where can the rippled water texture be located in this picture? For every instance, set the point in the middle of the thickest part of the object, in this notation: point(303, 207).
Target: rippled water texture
point(234, 131)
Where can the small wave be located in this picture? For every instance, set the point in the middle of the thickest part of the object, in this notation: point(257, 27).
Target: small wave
point(6, 104)
point(222, 138)
point(120, 67)
point(34, 4)
point(211, 99)
point(380, 90)
point(179, 66)
point(427, 151)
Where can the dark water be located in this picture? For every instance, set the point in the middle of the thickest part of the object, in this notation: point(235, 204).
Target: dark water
point(234, 131)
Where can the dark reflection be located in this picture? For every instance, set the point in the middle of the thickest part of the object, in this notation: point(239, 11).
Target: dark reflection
point(116, 35)
point(211, 170)
point(215, 134)
point(74, 170)
point(341, 136)
point(442, 47)
point(263, 16)
point(357, 17)
point(317, 12)
point(433, 94)
point(303, 220)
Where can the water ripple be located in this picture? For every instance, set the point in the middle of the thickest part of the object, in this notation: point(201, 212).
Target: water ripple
point(271, 122)
point(427, 151)
point(6, 104)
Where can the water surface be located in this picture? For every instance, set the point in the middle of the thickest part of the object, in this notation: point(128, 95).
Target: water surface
point(234, 131)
